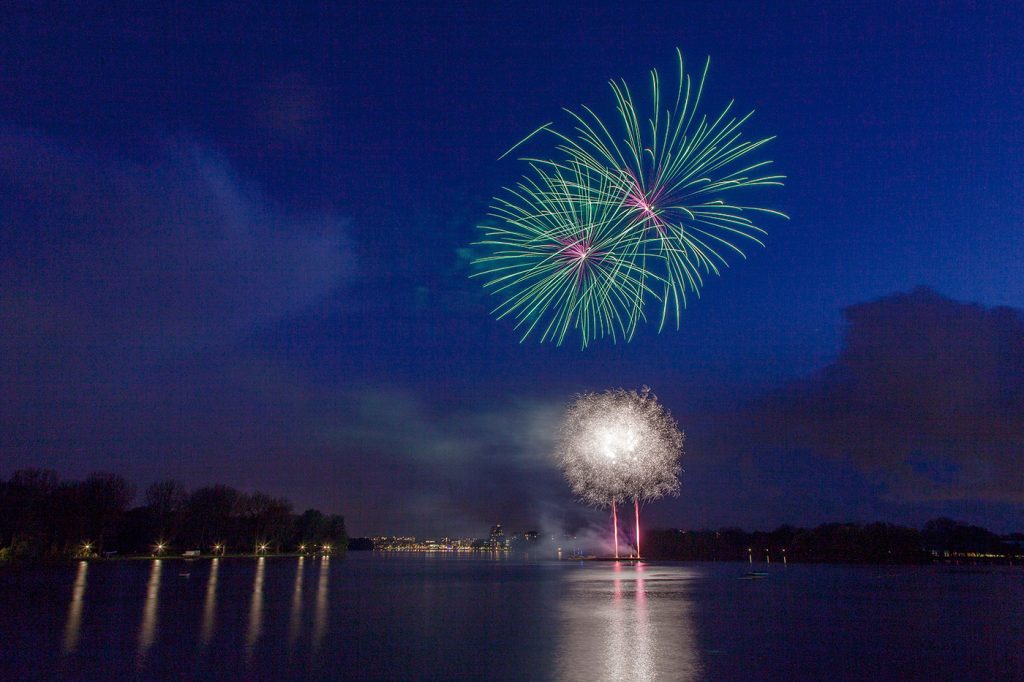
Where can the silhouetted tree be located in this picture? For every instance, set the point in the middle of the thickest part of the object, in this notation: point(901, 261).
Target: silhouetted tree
point(210, 518)
point(165, 501)
point(42, 516)
point(832, 542)
point(947, 535)
point(266, 518)
point(335, 533)
point(26, 506)
point(105, 498)
point(310, 528)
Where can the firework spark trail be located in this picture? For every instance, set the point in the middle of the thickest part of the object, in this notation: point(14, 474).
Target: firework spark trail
point(636, 508)
point(620, 445)
point(659, 191)
point(615, 528)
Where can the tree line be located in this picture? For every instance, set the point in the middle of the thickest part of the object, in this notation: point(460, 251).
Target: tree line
point(42, 516)
point(875, 543)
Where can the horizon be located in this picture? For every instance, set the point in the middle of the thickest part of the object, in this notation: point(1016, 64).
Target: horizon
point(589, 527)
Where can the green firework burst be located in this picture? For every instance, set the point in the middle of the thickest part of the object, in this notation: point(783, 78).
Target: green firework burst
point(661, 195)
point(564, 257)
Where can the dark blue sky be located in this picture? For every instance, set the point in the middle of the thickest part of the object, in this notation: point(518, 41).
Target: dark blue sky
point(234, 250)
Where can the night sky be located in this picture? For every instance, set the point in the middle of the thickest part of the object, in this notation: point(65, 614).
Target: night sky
point(234, 248)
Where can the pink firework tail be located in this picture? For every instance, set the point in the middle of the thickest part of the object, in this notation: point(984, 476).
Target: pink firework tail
point(636, 506)
point(615, 528)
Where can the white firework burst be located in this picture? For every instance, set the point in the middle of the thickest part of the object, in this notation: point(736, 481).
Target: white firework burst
point(620, 445)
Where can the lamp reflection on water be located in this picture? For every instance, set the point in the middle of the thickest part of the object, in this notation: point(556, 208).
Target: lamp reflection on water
point(320, 615)
point(210, 603)
point(74, 623)
point(147, 632)
point(293, 621)
point(252, 635)
point(611, 629)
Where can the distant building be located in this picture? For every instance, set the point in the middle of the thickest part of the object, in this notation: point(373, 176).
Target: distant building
point(497, 534)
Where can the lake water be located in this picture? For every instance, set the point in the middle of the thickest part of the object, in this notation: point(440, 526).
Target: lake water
point(443, 617)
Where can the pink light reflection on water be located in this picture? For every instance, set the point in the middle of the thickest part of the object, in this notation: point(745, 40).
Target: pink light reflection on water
point(611, 629)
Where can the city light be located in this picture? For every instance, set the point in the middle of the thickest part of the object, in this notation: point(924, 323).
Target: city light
point(262, 548)
point(160, 546)
point(495, 542)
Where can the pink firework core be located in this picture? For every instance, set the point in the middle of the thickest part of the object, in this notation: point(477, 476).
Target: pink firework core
point(579, 252)
point(645, 202)
point(576, 250)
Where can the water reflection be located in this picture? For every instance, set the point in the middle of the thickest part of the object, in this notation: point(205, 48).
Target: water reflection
point(571, 620)
point(74, 622)
point(147, 631)
point(320, 615)
point(612, 629)
point(645, 634)
point(293, 620)
point(252, 635)
point(210, 603)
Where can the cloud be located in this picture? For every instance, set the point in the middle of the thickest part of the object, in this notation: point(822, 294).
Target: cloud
point(920, 415)
point(167, 256)
point(116, 274)
point(926, 399)
point(390, 460)
point(457, 470)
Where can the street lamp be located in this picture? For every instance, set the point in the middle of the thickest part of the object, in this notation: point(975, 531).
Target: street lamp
point(160, 546)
